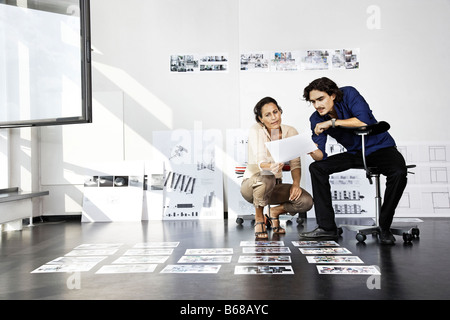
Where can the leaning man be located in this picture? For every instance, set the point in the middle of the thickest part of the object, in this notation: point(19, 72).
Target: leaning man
point(345, 107)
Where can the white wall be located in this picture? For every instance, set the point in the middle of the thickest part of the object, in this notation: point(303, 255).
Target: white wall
point(403, 74)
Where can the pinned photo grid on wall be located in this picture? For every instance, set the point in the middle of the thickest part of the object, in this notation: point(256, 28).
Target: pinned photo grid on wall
point(300, 60)
point(268, 61)
point(199, 63)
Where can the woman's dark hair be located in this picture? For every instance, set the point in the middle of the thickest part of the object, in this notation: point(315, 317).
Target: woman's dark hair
point(262, 103)
point(325, 85)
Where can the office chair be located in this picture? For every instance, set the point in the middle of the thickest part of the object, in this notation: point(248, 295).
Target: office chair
point(408, 232)
point(301, 218)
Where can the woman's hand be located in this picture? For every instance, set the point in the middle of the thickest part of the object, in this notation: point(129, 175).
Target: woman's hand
point(295, 192)
point(276, 167)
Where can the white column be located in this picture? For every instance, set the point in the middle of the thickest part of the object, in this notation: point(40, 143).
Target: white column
point(4, 158)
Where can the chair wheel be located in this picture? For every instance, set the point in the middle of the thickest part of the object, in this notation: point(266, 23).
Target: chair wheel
point(239, 220)
point(360, 237)
point(407, 237)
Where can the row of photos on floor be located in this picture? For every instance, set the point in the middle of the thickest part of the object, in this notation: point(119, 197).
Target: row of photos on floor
point(258, 257)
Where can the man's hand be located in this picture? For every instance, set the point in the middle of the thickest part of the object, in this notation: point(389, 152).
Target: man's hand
point(322, 126)
point(316, 154)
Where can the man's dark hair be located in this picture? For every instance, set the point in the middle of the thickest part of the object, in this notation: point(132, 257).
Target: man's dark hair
point(262, 103)
point(325, 85)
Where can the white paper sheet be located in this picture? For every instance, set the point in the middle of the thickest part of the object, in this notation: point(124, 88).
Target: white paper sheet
point(272, 270)
point(324, 251)
point(289, 148)
point(362, 270)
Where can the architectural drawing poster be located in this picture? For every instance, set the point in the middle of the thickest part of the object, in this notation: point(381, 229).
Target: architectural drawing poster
point(428, 190)
point(153, 190)
point(237, 154)
point(193, 173)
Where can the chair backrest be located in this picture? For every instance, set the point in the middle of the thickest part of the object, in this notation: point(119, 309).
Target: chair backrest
point(372, 129)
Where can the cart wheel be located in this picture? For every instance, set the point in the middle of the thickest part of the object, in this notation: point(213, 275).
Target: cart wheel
point(239, 220)
point(360, 237)
point(340, 231)
point(415, 232)
point(300, 221)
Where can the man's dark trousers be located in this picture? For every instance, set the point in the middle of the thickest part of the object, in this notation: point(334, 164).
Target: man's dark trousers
point(389, 162)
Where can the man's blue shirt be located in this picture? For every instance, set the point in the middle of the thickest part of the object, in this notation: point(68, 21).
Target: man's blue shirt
point(352, 105)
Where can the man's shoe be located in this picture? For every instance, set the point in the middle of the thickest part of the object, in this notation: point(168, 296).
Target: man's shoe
point(386, 237)
point(319, 234)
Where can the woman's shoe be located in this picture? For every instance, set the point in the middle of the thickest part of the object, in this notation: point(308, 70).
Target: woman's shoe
point(269, 222)
point(261, 234)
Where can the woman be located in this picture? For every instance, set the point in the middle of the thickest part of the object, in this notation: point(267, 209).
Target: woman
point(262, 184)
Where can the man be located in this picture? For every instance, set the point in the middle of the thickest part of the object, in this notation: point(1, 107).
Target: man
point(345, 107)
